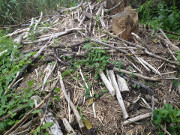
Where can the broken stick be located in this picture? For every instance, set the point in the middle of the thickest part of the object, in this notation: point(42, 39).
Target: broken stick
point(137, 118)
point(107, 83)
point(76, 113)
point(118, 93)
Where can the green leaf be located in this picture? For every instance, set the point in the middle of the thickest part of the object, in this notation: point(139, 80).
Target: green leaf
point(35, 133)
point(47, 125)
point(30, 83)
point(119, 64)
point(65, 73)
point(12, 114)
point(57, 90)
point(38, 129)
point(36, 111)
point(138, 86)
point(58, 98)
point(86, 46)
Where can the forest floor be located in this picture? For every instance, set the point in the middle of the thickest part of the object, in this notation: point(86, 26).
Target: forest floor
point(78, 47)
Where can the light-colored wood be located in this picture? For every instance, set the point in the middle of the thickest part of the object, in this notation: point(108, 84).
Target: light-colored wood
point(125, 22)
point(107, 83)
point(137, 118)
point(122, 84)
point(118, 93)
point(76, 113)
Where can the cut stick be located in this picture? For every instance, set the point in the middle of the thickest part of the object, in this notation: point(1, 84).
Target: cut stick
point(174, 47)
point(151, 67)
point(139, 70)
point(118, 94)
point(93, 104)
point(38, 21)
point(76, 113)
point(17, 32)
point(18, 40)
point(55, 35)
point(132, 82)
point(137, 118)
point(122, 84)
point(29, 29)
point(68, 127)
point(145, 102)
point(136, 74)
point(107, 83)
point(55, 129)
point(49, 70)
point(26, 116)
point(140, 60)
point(142, 48)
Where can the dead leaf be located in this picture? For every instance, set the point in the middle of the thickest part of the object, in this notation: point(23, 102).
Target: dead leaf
point(90, 101)
point(87, 124)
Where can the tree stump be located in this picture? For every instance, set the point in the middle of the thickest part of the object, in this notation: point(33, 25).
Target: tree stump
point(125, 22)
point(111, 3)
point(92, 1)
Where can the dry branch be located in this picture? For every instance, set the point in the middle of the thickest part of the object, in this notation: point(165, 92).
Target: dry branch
point(118, 93)
point(76, 113)
point(175, 48)
point(9, 115)
point(137, 118)
point(122, 84)
point(136, 74)
point(30, 113)
point(17, 32)
point(55, 129)
point(52, 36)
point(20, 74)
point(142, 48)
point(68, 127)
point(107, 83)
point(48, 71)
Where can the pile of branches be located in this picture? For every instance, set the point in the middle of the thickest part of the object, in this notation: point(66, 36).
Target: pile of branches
point(64, 35)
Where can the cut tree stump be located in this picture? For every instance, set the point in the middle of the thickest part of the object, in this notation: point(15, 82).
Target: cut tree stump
point(124, 23)
point(112, 3)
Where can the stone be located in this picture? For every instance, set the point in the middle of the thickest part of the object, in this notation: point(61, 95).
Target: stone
point(125, 22)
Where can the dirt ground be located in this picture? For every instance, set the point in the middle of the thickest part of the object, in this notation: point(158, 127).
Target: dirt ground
point(109, 117)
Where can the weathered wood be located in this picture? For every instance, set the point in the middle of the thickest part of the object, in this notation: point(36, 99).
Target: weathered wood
point(112, 3)
point(125, 23)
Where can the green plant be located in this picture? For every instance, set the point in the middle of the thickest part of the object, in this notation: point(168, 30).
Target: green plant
point(169, 118)
point(168, 17)
point(178, 56)
point(87, 92)
point(96, 59)
point(15, 11)
point(12, 61)
point(163, 14)
point(80, 113)
point(41, 130)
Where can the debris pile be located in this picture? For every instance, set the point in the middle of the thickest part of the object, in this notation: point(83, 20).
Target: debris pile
point(99, 71)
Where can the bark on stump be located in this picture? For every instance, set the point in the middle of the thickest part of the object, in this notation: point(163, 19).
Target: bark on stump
point(120, 8)
point(125, 22)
